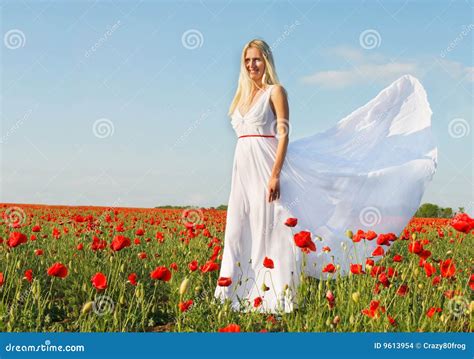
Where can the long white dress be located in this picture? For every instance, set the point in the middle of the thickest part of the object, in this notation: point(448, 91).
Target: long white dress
point(367, 172)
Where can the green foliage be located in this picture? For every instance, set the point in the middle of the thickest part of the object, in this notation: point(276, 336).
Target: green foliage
point(430, 210)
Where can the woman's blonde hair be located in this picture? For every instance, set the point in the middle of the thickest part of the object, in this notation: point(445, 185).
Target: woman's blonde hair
point(244, 88)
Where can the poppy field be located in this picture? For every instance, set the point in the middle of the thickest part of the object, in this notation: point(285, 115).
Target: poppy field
point(95, 269)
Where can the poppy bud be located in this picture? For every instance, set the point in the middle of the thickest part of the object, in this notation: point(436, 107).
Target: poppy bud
point(351, 319)
point(184, 286)
point(87, 307)
point(413, 236)
point(355, 296)
point(349, 233)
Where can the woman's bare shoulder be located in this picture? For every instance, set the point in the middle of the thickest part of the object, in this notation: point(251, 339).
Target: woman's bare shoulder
point(278, 91)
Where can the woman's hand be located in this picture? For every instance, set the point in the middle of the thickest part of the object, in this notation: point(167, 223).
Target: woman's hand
point(273, 188)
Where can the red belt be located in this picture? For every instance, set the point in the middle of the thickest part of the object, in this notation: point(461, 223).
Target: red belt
point(256, 136)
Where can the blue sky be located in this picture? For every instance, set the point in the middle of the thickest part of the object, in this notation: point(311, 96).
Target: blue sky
point(162, 99)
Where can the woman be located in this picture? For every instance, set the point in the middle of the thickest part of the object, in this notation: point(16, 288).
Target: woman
point(295, 201)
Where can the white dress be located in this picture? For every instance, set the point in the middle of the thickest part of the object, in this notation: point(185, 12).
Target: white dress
point(367, 172)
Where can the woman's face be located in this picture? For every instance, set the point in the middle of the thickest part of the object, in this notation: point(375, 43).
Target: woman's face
point(254, 64)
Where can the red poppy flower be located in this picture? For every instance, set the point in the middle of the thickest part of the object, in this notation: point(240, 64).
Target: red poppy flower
point(98, 244)
point(140, 232)
point(224, 281)
point(356, 269)
point(58, 270)
point(193, 265)
point(392, 320)
point(432, 311)
point(402, 290)
point(36, 228)
point(397, 258)
point(376, 270)
point(303, 240)
point(209, 266)
point(436, 280)
point(382, 277)
point(142, 255)
point(174, 266)
point(132, 278)
point(447, 267)
point(119, 242)
point(415, 247)
point(231, 328)
point(99, 281)
point(291, 222)
point(370, 235)
point(471, 281)
point(184, 306)
point(429, 269)
point(329, 268)
point(16, 238)
point(29, 275)
point(161, 273)
point(119, 227)
point(378, 251)
point(257, 302)
point(462, 223)
point(268, 263)
point(2, 279)
point(373, 310)
point(38, 252)
point(331, 299)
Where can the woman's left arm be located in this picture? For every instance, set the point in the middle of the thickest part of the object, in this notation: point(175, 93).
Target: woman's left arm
point(279, 100)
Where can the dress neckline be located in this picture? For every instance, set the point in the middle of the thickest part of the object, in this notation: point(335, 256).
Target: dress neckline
point(253, 106)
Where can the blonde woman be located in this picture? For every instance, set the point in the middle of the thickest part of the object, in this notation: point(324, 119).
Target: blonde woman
point(291, 203)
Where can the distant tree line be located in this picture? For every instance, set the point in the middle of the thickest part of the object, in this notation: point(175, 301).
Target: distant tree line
point(426, 210)
point(430, 210)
